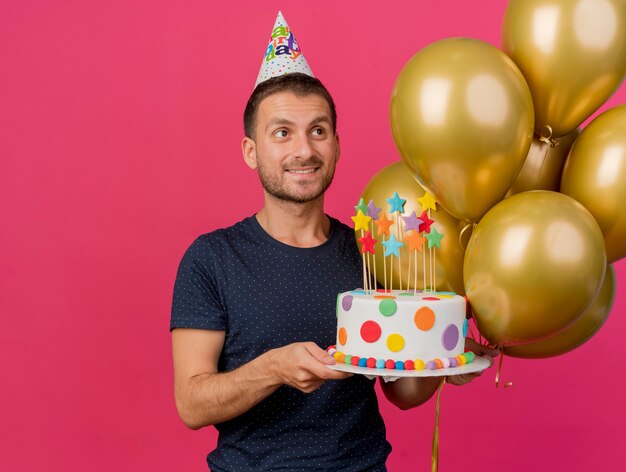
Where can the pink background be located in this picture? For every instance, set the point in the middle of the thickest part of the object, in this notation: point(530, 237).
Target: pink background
point(120, 126)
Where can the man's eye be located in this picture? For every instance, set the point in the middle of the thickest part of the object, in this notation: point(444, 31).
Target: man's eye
point(281, 133)
point(318, 131)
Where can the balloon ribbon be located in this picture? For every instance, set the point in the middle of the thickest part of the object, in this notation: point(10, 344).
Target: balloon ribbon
point(435, 454)
point(507, 384)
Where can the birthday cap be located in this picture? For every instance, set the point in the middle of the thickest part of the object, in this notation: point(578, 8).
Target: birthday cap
point(283, 55)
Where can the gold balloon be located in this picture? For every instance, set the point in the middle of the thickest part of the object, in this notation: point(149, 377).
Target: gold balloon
point(397, 177)
point(572, 54)
point(533, 265)
point(595, 175)
point(579, 332)
point(462, 119)
point(544, 164)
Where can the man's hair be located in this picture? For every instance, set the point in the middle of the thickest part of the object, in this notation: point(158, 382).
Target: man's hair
point(297, 83)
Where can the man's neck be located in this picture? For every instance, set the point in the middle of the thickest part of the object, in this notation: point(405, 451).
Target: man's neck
point(295, 224)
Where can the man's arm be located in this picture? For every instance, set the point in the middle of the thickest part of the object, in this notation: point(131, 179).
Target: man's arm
point(204, 396)
point(410, 392)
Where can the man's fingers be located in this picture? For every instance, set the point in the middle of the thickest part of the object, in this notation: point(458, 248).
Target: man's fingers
point(336, 374)
point(319, 354)
point(324, 372)
point(319, 360)
point(479, 349)
point(461, 379)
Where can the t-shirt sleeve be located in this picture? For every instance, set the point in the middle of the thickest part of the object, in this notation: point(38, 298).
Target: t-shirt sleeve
point(196, 302)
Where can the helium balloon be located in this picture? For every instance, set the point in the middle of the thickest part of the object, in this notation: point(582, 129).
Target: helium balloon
point(572, 54)
point(583, 329)
point(462, 119)
point(397, 177)
point(544, 164)
point(595, 175)
point(534, 263)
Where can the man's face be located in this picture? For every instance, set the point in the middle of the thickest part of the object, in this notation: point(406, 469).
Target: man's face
point(294, 148)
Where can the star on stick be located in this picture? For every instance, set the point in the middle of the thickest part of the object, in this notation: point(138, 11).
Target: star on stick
point(383, 224)
point(434, 238)
point(412, 222)
point(363, 207)
point(373, 210)
point(367, 243)
point(396, 203)
point(426, 222)
point(392, 246)
point(415, 241)
point(360, 221)
point(428, 202)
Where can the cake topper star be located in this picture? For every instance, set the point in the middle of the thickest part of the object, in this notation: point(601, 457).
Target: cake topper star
point(434, 238)
point(392, 246)
point(361, 221)
point(373, 210)
point(412, 222)
point(415, 241)
point(363, 207)
point(426, 222)
point(383, 224)
point(396, 203)
point(367, 243)
point(428, 202)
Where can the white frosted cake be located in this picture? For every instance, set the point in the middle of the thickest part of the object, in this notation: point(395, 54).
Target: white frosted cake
point(401, 329)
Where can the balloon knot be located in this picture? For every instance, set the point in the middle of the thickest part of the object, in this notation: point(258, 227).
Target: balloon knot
point(546, 136)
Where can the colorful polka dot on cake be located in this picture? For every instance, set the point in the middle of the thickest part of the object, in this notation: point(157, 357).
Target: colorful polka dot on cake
point(388, 307)
point(346, 303)
point(342, 336)
point(370, 331)
point(395, 342)
point(450, 337)
point(424, 318)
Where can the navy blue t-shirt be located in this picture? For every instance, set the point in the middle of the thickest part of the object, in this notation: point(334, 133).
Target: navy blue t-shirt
point(265, 294)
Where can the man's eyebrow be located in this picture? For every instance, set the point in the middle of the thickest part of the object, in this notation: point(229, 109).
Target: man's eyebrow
point(278, 121)
point(320, 119)
point(286, 122)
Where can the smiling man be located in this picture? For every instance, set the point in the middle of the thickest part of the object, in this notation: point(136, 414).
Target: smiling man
point(255, 303)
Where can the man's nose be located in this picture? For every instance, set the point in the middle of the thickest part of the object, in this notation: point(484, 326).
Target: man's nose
point(302, 146)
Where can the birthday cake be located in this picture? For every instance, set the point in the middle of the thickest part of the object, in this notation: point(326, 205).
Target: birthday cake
point(402, 330)
point(410, 329)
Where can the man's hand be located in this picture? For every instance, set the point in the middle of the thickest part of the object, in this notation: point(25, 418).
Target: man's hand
point(479, 350)
point(205, 396)
point(303, 366)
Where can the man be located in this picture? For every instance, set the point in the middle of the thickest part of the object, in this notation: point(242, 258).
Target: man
point(254, 307)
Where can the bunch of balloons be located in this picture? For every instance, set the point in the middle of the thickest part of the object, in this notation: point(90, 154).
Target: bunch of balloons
point(493, 135)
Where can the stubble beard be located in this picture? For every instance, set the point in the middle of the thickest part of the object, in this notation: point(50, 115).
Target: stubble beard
point(274, 187)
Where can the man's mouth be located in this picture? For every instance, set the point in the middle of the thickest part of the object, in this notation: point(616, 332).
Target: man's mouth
point(302, 171)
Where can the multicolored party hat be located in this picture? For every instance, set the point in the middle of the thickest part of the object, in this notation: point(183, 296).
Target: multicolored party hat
point(283, 55)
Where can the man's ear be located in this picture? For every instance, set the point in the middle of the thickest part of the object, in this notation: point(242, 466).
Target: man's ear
point(248, 148)
point(338, 148)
